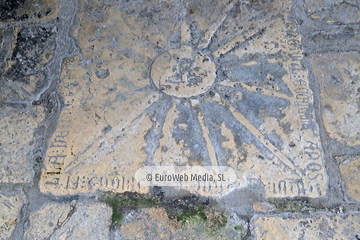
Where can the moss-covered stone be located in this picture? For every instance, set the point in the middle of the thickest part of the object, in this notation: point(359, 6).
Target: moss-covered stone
point(120, 203)
point(211, 220)
point(195, 214)
point(188, 211)
point(290, 205)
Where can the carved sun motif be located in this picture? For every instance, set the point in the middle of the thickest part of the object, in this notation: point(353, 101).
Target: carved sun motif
point(188, 87)
point(200, 77)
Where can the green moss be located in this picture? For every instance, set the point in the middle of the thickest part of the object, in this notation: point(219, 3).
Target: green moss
point(195, 214)
point(119, 204)
point(212, 221)
point(116, 217)
point(139, 202)
point(288, 205)
point(238, 228)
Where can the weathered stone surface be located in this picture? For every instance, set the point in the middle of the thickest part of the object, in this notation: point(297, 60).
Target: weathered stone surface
point(350, 172)
point(28, 9)
point(199, 89)
point(108, 87)
point(333, 38)
point(338, 77)
point(153, 223)
point(263, 207)
point(10, 207)
point(150, 223)
point(318, 226)
point(24, 77)
point(334, 11)
point(70, 221)
point(1, 36)
point(17, 127)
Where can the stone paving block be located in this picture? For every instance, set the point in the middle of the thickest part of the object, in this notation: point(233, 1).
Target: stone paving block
point(221, 87)
point(150, 223)
point(25, 75)
point(10, 207)
point(153, 223)
point(350, 173)
point(334, 11)
point(338, 77)
point(70, 221)
point(317, 226)
point(21, 10)
point(17, 127)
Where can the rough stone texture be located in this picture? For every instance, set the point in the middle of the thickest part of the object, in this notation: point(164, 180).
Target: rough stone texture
point(338, 76)
point(18, 126)
point(239, 99)
point(332, 12)
point(93, 90)
point(25, 75)
point(10, 207)
point(350, 169)
point(153, 223)
point(149, 223)
point(319, 226)
point(20, 10)
point(263, 207)
point(70, 221)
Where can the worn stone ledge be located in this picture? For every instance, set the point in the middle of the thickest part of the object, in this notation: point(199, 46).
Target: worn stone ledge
point(316, 226)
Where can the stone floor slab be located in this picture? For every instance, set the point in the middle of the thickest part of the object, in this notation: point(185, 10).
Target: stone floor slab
point(25, 76)
point(22, 10)
point(318, 226)
point(17, 127)
point(153, 223)
point(219, 84)
point(334, 11)
point(70, 221)
point(350, 169)
point(10, 207)
point(338, 77)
